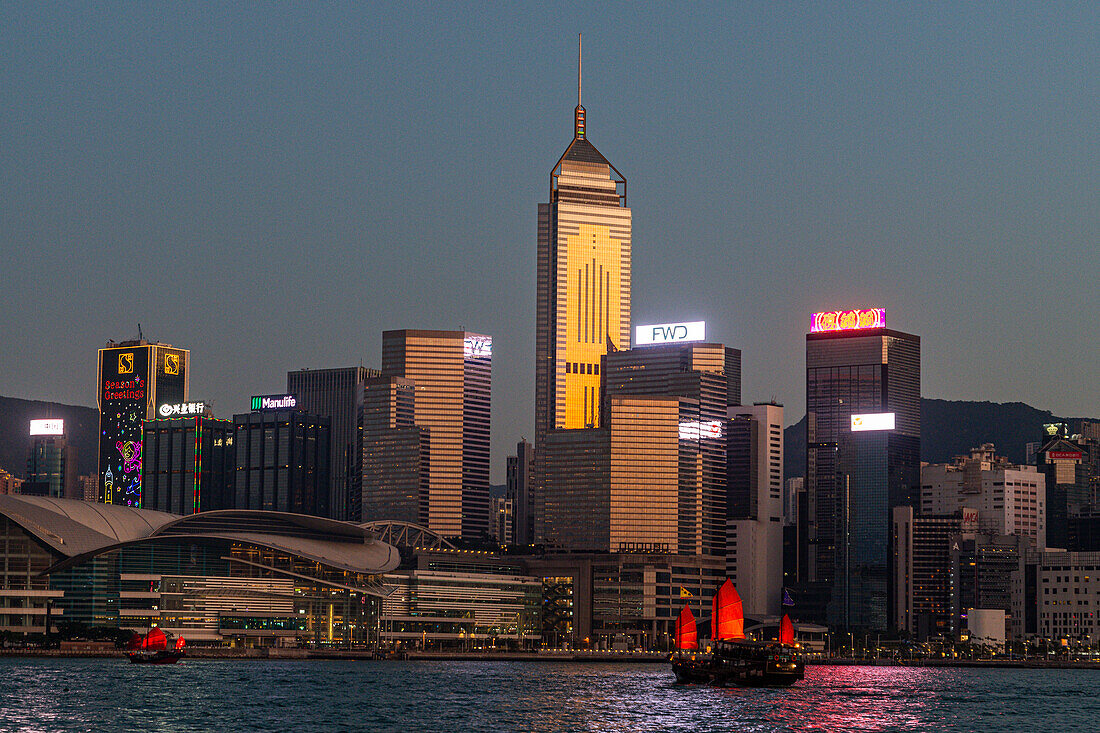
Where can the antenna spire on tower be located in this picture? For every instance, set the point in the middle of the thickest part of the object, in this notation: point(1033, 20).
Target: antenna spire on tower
point(578, 113)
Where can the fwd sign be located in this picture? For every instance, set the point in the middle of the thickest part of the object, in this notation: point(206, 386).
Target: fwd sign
point(666, 333)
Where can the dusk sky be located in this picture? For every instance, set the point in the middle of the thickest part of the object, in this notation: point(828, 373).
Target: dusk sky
point(273, 186)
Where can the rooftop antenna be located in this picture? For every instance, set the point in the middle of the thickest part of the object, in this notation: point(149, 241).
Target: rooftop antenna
point(578, 113)
point(140, 337)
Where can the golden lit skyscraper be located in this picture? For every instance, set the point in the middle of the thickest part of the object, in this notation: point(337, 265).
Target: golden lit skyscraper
point(583, 305)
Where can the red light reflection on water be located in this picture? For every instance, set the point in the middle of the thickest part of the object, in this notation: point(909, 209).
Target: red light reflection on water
point(849, 698)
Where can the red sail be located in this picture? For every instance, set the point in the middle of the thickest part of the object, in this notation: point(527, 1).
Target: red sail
point(786, 630)
point(731, 620)
point(714, 617)
point(135, 641)
point(179, 643)
point(155, 640)
point(686, 635)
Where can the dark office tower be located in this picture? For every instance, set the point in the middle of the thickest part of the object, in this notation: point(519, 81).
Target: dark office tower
point(1065, 463)
point(862, 456)
point(452, 372)
point(135, 378)
point(336, 394)
point(395, 453)
point(189, 464)
point(519, 476)
point(705, 374)
point(282, 459)
point(51, 461)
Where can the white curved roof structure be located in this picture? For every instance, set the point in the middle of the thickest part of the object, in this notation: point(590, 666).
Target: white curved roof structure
point(79, 530)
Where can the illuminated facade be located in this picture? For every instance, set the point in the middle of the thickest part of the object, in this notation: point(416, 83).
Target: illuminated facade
point(922, 573)
point(636, 484)
point(135, 377)
point(451, 372)
point(583, 302)
point(854, 479)
point(336, 394)
point(708, 376)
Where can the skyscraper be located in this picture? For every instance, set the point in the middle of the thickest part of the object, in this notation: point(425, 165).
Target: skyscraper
point(135, 377)
point(188, 464)
point(862, 456)
point(754, 529)
point(519, 478)
point(452, 372)
point(51, 461)
point(336, 394)
point(583, 302)
point(709, 376)
point(282, 460)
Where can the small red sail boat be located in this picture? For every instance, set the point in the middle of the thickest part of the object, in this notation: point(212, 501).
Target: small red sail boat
point(733, 659)
point(153, 648)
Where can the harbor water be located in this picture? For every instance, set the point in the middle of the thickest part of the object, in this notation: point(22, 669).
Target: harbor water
point(51, 694)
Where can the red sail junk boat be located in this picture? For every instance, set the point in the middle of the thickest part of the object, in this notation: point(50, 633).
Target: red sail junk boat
point(731, 658)
point(153, 648)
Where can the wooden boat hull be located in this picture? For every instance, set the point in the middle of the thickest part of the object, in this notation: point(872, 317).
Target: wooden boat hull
point(741, 665)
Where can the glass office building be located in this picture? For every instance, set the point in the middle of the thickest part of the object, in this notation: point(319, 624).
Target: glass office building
point(395, 479)
point(857, 367)
point(189, 464)
point(336, 394)
point(282, 462)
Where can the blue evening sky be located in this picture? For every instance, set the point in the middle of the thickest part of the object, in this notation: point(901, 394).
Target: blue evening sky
point(272, 185)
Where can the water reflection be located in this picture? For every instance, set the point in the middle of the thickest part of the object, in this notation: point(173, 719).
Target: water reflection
point(110, 695)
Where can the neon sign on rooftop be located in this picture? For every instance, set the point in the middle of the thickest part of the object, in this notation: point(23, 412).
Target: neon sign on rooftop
point(848, 320)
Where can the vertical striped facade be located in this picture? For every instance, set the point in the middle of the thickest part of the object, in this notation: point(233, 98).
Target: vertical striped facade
point(451, 371)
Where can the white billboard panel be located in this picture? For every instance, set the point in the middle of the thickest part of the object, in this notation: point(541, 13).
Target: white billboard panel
point(873, 421)
point(54, 426)
point(670, 333)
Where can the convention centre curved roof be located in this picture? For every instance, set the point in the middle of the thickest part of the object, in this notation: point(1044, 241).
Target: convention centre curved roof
point(79, 530)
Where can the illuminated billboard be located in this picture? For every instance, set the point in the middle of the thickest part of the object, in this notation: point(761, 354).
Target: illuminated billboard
point(873, 421)
point(133, 381)
point(274, 402)
point(669, 333)
point(48, 427)
point(123, 398)
point(853, 320)
point(477, 347)
point(181, 409)
point(698, 430)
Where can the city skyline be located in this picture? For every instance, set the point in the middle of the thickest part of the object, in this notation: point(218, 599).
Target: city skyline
point(941, 174)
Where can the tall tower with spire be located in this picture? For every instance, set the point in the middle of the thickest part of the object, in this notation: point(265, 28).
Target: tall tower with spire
point(583, 304)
